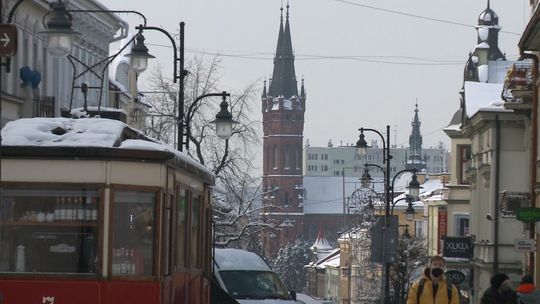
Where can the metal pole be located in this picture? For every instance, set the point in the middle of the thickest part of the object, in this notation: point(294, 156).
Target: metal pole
point(180, 142)
point(386, 218)
point(344, 216)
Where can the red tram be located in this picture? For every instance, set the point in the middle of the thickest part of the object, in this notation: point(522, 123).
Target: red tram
point(93, 212)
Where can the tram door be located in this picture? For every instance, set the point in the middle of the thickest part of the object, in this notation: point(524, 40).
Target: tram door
point(166, 246)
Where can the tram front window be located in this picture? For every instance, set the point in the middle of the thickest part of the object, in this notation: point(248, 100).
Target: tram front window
point(49, 231)
point(133, 233)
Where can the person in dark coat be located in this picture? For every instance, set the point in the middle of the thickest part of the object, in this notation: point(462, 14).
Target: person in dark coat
point(499, 292)
point(527, 293)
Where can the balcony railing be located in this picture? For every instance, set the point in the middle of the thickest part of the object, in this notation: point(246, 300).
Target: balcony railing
point(44, 107)
point(518, 86)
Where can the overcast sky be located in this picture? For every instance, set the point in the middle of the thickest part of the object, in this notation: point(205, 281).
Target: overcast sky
point(365, 62)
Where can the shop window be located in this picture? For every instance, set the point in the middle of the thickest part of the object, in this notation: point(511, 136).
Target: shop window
point(133, 233)
point(462, 224)
point(49, 231)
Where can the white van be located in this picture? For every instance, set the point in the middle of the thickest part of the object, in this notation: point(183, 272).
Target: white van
point(248, 279)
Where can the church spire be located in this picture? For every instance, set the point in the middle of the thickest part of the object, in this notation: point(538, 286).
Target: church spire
point(284, 75)
point(414, 160)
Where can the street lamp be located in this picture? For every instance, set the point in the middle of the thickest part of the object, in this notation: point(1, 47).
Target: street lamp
point(60, 36)
point(138, 58)
point(224, 122)
point(414, 189)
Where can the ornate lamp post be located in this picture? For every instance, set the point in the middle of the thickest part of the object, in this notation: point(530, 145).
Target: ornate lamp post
point(414, 189)
point(60, 39)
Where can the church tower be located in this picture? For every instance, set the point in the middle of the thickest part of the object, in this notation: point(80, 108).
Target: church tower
point(283, 127)
point(415, 159)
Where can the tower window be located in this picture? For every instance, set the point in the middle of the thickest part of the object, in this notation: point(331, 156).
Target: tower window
point(286, 157)
point(274, 157)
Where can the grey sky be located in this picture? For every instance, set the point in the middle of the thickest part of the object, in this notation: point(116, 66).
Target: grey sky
point(342, 94)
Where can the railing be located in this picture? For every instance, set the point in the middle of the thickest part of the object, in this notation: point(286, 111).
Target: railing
point(44, 107)
point(518, 86)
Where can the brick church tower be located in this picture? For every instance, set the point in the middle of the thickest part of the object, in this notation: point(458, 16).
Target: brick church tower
point(283, 126)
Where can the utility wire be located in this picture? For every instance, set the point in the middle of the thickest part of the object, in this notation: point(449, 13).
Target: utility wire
point(417, 16)
point(301, 57)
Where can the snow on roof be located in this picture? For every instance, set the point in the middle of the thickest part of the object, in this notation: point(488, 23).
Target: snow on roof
point(287, 103)
point(332, 261)
point(454, 127)
point(481, 95)
point(82, 132)
point(237, 259)
point(321, 243)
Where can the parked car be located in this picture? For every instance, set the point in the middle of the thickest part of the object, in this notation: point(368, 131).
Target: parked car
point(306, 299)
point(248, 279)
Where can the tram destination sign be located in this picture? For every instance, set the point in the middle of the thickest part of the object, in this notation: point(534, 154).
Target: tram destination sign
point(458, 247)
point(528, 214)
point(8, 40)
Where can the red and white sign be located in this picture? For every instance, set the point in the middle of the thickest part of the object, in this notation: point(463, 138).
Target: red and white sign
point(442, 229)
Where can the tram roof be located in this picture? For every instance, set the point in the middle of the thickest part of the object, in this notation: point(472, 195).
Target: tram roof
point(89, 137)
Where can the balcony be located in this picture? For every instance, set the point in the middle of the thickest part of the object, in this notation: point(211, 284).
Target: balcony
point(518, 87)
point(44, 107)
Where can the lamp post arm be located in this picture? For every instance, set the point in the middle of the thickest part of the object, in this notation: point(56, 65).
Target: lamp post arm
point(191, 112)
point(394, 203)
point(398, 174)
point(379, 133)
point(176, 75)
point(99, 11)
point(12, 12)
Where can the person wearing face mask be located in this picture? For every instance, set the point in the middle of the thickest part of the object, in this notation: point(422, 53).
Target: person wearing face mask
point(499, 292)
point(433, 288)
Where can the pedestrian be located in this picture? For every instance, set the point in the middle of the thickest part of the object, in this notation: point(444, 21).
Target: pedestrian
point(499, 292)
point(433, 287)
point(527, 293)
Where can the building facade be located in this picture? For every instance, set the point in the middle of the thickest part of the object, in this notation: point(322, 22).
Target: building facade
point(490, 164)
point(283, 127)
point(344, 160)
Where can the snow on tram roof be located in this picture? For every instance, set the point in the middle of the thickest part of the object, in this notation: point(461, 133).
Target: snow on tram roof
point(83, 132)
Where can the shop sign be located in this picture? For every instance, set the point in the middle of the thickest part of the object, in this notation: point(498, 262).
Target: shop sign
point(458, 247)
point(525, 245)
point(455, 277)
point(8, 40)
point(528, 214)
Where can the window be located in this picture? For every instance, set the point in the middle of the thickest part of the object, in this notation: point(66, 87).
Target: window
point(463, 160)
point(49, 231)
point(133, 233)
point(286, 199)
point(298, 158)
point(286, 157)
point(274, 157)
point(462, 224)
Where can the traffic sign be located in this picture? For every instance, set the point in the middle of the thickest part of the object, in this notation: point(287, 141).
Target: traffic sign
point(528, 214)
point(525, 245)
point(8, 40)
